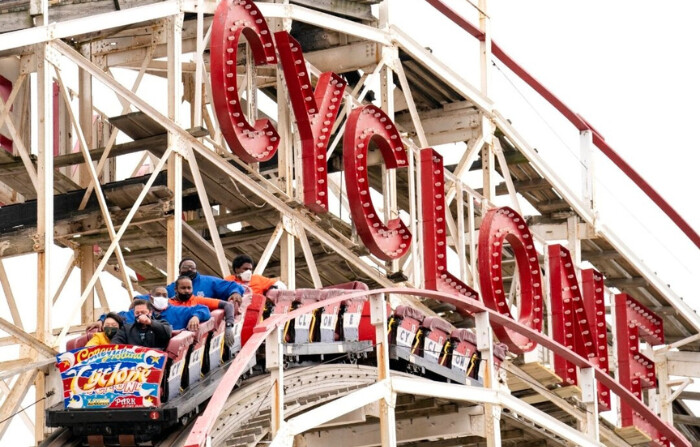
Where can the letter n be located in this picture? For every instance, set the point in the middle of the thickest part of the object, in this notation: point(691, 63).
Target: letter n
point(578, 321)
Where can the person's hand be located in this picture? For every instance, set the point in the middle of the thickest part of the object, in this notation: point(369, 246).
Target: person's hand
point(230, 336)
point(96, 326)
point(143, 319)
point(235, 298)
point(193, 324)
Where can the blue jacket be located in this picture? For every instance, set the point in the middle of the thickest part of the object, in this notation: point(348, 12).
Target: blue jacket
point(210, 287)
point(177, 316)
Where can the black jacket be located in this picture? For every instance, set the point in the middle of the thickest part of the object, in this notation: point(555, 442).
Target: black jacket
point(157, 335)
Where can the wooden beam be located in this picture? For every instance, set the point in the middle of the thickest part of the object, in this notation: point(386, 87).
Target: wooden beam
point(143, 144)
point(636, 281)
point(14, 399)
point(9, 297)
point(604, 255)
point(689, 395)
point(27, 339)
point(25, 417)
point(686, 420)
point(25, 366)
point(523, 186)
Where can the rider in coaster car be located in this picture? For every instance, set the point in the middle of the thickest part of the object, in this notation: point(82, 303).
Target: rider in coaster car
point(207, 286)
point(242, 266)
point(112, 323)
point(146, 330)
point(179, 317)
point(184, 298)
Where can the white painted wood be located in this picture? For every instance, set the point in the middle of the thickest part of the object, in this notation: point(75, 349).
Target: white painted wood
point(208, 215)
point(87, 291)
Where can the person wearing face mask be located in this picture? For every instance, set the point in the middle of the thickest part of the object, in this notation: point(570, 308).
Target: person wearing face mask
point(207, 286)
point(110, 327)
point(184, 298)
point(242, 266)
point(179, 317)
point(146, 330)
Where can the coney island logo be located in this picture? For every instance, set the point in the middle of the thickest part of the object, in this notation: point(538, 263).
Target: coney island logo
point(115, 376)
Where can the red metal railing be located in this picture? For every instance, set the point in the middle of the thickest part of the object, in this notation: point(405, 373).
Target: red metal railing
point(577, 120)
point(205, 422)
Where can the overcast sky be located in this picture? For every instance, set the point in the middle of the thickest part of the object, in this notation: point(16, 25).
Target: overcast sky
point(631, 68)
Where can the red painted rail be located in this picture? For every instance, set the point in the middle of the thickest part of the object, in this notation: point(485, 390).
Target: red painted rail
point(577, 120)
point(204, 424)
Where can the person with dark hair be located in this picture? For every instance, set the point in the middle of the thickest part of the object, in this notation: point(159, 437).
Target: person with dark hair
point(111, 325)
point(242, 266)
point(184, 298)
point(207, 286)
point(146, 329)
point(179, 317)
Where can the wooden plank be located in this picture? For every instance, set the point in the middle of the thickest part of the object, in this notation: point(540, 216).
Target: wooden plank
point(632, 435)
point(537, 372)
point(568, 391)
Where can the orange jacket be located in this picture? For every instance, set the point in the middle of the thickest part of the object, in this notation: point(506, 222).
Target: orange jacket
point(211, 303)
point(258, 284)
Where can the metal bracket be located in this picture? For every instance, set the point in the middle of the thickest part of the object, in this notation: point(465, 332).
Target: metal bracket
point(27, 63)
point(179, 145)
point(289, 226)
point(38, 245)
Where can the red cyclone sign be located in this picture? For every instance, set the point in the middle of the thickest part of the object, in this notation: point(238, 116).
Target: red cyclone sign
point(579, 320)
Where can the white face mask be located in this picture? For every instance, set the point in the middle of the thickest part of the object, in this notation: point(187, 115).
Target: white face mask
point(160, 302)
point(246, 275)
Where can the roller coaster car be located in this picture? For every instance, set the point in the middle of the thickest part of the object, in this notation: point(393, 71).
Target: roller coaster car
point(131, 394)
point(432, 347)
point(332, 330)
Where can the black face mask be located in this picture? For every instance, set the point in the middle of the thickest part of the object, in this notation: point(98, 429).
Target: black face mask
point(110, 332)
point(183, 296)
point(190, 274)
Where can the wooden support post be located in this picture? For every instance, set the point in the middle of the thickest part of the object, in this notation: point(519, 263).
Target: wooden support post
point(587, 168)
point(386, 87)
point(174, 224)
point(286, 183)
point(459, 242)
point(87, 269)
point(199, 67)
point(665, 403)
point(43, 243)
point(484, 47)
point(414, 191)
point(387, 416)
point(472, 240)
point(85, 119)
point(484, 343)
point(587, 383)
point(488, 169)
point(574, 242)
point(275, 364)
